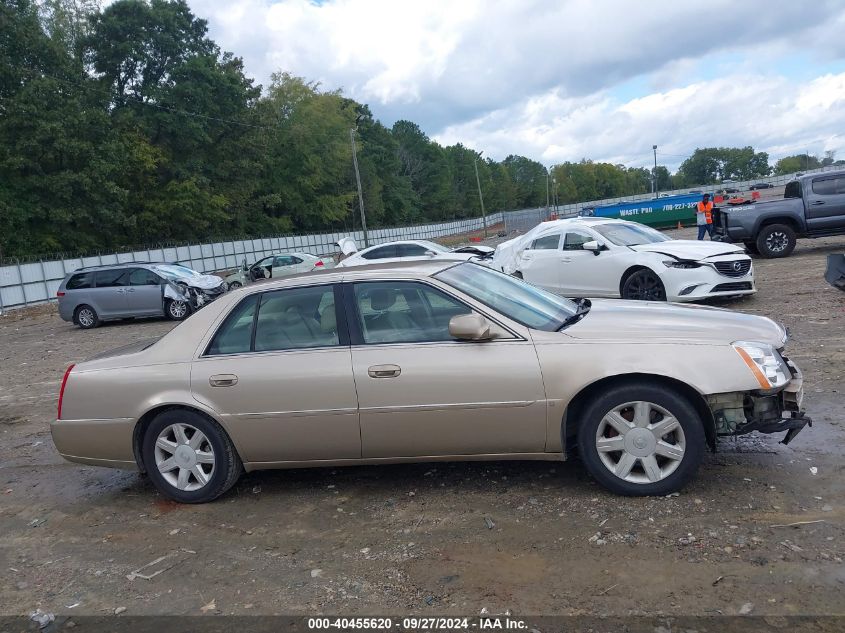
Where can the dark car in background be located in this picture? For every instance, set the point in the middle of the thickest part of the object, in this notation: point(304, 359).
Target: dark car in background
point(91, 295)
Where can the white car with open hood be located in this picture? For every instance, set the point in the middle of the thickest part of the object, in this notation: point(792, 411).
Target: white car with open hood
point(597, 257)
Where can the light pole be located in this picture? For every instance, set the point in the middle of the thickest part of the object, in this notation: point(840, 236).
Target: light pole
point(547, 191)
point(360, 192)
point(654, 174)
point(480, 197)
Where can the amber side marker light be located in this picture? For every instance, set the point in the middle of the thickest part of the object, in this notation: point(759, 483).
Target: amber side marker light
point(759, 375)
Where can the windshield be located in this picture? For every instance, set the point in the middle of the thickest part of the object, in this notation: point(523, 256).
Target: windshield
point(513, 297)
point(630, 234)
point(175, 271)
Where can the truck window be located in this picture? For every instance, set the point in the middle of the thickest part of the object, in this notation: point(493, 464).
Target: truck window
point(792, 190)
point(829, 186)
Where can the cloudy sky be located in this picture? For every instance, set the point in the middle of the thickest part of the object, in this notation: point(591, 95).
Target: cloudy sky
point(560, 80)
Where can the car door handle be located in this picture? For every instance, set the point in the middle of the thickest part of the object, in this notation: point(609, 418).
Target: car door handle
point(130, 290)
point(384, 371)
point(223, 380)
point(816, 203)
point(566, 259)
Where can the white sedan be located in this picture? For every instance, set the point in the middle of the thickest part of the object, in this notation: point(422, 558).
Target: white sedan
point(597, 257)
point(406, 250)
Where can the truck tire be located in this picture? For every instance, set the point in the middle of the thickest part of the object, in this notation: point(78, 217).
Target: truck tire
point(776, 240)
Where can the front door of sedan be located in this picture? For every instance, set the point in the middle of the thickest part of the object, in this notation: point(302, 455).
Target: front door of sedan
point(422, 393)
point(587, 274)
point(539, 264)
point(278, 372)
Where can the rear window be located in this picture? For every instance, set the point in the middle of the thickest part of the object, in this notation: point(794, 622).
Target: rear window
point(110, 278)
point(79, 281)
point(792, 190)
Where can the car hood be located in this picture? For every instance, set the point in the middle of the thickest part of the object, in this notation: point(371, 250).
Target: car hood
point(690, 249)
point(203, 282)
point(626, 321)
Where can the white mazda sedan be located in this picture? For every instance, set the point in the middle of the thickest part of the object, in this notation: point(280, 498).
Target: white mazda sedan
point(597, 257)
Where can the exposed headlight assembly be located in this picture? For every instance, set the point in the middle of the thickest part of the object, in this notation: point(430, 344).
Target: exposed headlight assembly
point(674, 263)
point(765, 363)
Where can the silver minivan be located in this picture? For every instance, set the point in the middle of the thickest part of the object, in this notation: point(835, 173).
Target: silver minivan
point(89, 296)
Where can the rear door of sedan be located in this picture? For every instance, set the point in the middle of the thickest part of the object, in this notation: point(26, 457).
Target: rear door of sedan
point(422, 393)
point(278, 372)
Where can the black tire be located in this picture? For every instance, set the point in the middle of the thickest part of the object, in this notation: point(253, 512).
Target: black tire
point(176, 310)
point(235, 285)
point(678, 471)
point(518, 275)
point(644, 285)
point(776, 240)
point(86, 317)
point(751, 247)
point(227, 465)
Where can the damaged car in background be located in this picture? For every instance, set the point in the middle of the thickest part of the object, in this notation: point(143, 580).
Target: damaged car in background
point(89, 296)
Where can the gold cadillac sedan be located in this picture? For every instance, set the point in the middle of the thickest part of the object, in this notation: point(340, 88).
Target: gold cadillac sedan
point(428, 361)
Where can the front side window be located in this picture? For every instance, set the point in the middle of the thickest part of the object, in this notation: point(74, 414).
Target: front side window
point(405, 312)
point(110, 278)
point(512, 297)
point(144, 277)
point(575, 241)
point(80, 281)
point(547, 242)
point(296, 318)
point(410, 250)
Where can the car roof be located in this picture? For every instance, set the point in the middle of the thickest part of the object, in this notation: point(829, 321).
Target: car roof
point(418, 268)
point(133, 264)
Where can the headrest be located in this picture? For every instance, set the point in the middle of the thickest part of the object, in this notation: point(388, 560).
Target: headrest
point(382, 298)
point(328, 319)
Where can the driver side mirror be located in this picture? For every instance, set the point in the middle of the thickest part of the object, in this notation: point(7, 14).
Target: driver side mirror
point(470, 327)
point(593, 246)
point(430, 253)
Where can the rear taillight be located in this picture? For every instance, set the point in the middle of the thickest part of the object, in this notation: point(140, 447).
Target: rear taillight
point(62, 390)
point(318, 263)
point(60, 294)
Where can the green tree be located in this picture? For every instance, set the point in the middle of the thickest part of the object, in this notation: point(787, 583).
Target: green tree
point(796, 163)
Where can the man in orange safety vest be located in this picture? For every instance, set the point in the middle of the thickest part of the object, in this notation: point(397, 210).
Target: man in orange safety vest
point(704, 217)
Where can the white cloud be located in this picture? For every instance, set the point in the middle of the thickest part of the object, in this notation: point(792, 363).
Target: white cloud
point(771, 113)
point(538, 78)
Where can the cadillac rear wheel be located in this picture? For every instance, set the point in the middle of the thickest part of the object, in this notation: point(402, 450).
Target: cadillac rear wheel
point(189, 457)
point(644, 285)
point(640, 439)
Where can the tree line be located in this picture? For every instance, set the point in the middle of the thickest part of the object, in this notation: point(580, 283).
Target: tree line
point(128, 125)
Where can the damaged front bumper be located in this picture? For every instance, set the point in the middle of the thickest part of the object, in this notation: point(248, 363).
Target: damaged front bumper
point(739, 413)
point(193, 296)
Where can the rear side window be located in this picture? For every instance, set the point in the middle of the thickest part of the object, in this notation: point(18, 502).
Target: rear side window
point(110, 278)
point(296, 318)
point(381, 253)
point(80, 281)
point(235, 335)
point(549, 242)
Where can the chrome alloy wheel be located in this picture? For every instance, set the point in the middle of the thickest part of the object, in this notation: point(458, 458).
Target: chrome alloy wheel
point(184, 457)
point(85, 317)
point(640, 442)
point(178, 309)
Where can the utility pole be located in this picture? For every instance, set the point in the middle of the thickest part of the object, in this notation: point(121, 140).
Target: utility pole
point(480, 197)
point(654, 189)
point(547, 191)
point(360, 192)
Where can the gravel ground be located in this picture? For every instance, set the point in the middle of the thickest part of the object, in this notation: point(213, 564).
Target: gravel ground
point(532, 537)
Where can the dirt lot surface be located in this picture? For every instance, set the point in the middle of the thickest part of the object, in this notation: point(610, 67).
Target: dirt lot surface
point(529, 537)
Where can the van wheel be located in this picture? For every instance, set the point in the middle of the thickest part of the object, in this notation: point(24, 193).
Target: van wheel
point(638, 439)
point(776, 240)
point(86, 317)
point(189, 457)
point(177, 310)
